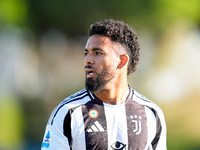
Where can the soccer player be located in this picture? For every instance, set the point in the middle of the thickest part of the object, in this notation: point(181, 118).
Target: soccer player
point(107, 114)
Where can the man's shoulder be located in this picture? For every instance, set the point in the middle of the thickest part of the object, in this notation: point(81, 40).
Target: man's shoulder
point(150, 105)
point(145, 101)
point(76, 95)
point(73, 101)
point(79, 97)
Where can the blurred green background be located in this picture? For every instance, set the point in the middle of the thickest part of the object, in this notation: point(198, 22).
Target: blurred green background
point(41, 62)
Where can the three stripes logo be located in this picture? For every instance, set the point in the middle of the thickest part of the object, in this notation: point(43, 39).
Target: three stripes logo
point(96, 127)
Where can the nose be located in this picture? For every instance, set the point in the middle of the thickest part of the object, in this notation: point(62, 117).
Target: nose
point(89, 59)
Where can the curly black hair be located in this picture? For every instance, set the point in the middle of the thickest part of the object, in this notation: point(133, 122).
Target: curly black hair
point(122, 33)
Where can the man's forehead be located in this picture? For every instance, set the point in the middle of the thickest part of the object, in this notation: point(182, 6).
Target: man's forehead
point(100, 41)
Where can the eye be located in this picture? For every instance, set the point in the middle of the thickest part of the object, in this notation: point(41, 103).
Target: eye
point(118, 146)
point(98, 53)
point(85, 53)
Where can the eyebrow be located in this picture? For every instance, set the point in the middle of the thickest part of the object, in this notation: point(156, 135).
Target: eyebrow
point(94, 49)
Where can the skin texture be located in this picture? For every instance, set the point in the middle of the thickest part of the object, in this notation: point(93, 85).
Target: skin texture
point(110, 59)
point(122, 33)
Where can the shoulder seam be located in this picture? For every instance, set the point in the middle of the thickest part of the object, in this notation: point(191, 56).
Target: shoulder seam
point(141, 96)
point(80, 96)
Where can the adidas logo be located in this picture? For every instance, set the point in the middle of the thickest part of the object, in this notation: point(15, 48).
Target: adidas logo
point(96, 127)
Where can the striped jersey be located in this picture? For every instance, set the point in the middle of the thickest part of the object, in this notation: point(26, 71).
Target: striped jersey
point(83, 122)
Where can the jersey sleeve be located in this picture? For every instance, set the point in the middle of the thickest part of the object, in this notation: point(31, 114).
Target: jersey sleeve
point(159, 142)
point(54, 137)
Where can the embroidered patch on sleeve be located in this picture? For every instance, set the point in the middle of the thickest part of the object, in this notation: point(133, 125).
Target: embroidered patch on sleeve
point(46, 142)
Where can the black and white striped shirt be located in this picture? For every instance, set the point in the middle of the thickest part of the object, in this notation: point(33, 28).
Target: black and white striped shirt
point(83, 122)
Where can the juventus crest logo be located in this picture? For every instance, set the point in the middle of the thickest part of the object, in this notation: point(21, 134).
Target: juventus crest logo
point(137, 123)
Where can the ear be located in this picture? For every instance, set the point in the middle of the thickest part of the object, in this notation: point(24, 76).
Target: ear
point(123, 60)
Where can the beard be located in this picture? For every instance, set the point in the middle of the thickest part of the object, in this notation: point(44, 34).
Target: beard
point(98, 84)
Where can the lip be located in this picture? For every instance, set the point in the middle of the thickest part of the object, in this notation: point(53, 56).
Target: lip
point(90, 72)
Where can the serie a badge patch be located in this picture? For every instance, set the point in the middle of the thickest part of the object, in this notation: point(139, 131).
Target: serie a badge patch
point(46, 142)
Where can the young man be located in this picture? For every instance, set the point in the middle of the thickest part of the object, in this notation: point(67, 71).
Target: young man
point(108, 114)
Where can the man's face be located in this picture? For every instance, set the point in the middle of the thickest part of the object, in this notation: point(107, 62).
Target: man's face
point(100, 62)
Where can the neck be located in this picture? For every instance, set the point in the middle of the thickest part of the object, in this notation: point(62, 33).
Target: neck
point(114, 93)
